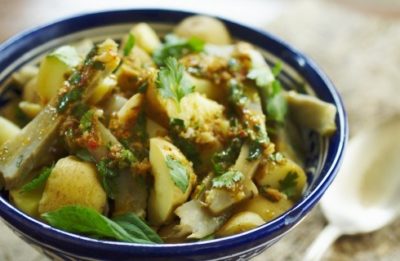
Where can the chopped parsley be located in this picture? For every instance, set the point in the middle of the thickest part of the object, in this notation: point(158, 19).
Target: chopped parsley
point(127, 156)
point(172, 82)
point(176, 47)
point(222, 160)
point(256, 148)
point(107, 174)
point(274, 102)
point(236, 94)
point(86, 122)
point(187, 147)
point(67, 98)
point(130, 43)
point(178, 173)
point(289, 183)
point(228, 179)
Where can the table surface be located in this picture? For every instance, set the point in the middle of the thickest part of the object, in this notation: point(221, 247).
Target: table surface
point(359, 50)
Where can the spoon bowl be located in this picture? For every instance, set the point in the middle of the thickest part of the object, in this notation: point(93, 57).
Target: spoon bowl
point(364, 196)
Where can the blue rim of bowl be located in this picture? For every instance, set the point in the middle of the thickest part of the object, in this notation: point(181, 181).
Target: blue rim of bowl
point(38, 231)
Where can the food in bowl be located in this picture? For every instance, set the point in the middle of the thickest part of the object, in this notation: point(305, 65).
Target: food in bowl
point(151, 141)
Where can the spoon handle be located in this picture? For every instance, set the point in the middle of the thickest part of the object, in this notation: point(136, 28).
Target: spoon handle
point(322, 243)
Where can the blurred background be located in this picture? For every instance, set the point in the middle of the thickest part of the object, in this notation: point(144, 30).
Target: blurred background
point(356, 42)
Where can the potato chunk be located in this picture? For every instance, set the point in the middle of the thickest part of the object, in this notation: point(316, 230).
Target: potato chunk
point(28, 202)
point(274, 173)
point(221, 199)
point(73, 182)
point(205, 28)
point(166, 194)
point(239, 223)
point(145, 37)
point(265, 208)
point(53, 70)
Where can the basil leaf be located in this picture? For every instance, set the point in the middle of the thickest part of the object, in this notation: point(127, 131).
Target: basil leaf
point(137, 227)
point(178, 173)
point(84, 154)
point(39, 181)
point(84, 220)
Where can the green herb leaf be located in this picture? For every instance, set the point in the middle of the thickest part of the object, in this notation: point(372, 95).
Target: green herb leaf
point(276, 103)
point(236, 94)
point(130, 43)
point(178, 173)
point(228, 179)
point(187, 147)
point(261, 75)
point(222, 160)
point(84, 155)
point(83, 220)
point(86, 122)
point(68, 98)
point(277, 69)
point(140, 129)
point(107, 177)
point(143, 88)
point(172, 82)
point(39, 181)
point(176, 47)
point(137, 227)
point(127, 156)
point(289, 183)
point(255, 149)
point(79, 110)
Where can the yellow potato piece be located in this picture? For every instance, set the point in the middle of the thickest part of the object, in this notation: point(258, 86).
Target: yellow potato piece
point(272, 173)
point(103, 89)
point(219, 199)
point(165, 195)
point(145, 37)
point(73, 182)
point(239, 223)
point(53, 70)
point(205, 28)
point(28, 202)
point(265, 208)
point(8, 130)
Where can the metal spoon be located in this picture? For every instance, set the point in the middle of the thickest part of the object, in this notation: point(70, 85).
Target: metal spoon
point(364, 196)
